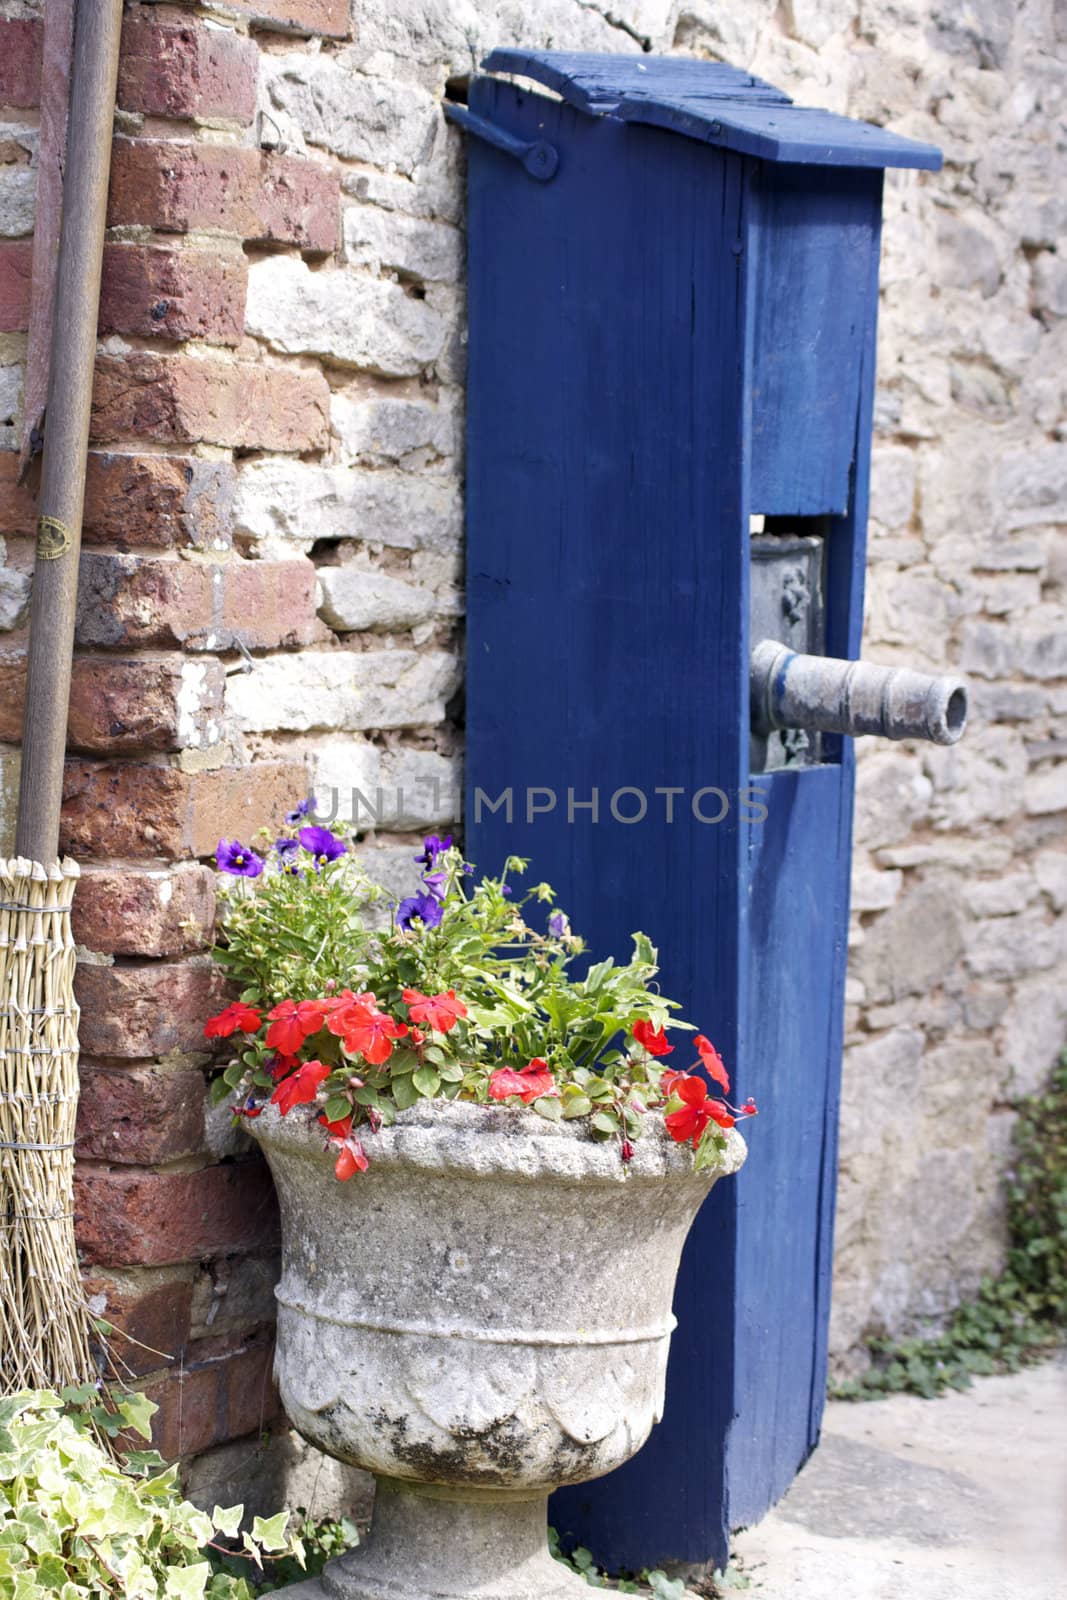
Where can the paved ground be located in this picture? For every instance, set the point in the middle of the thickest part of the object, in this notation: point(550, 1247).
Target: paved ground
point(952, 1499)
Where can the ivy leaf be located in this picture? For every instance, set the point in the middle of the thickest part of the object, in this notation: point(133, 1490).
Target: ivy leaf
point(270, 1531)
point(137, 1412)
point(187, 1583)
point(228, 1521)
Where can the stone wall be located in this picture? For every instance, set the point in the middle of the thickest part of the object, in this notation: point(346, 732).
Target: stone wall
point(272, 591)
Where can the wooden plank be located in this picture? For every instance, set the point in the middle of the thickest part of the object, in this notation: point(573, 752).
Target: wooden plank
point(813, 240)
point(607, 592)
point(802, 134)
point(596, 83)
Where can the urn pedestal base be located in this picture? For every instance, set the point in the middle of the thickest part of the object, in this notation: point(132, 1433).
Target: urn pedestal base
point(429, 1542)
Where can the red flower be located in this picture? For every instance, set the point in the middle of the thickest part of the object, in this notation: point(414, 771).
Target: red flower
point(529, 1084)
point(301, 1088)
point(282, 1065)
point(292, 1023)
point(712, 1062)
point(655, 1043)
point(694, 1114)
point(237, 1018)
point(352, 1159)
point(364, 1029)
point(440, 1011)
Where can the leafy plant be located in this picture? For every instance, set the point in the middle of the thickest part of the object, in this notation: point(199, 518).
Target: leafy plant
point(319, 1542)
point(461, 997)
point(652, 1581)
point(1018, 1316)
point(74, 1523)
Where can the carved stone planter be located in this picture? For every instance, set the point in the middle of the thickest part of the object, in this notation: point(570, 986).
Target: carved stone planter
point(482, 1316)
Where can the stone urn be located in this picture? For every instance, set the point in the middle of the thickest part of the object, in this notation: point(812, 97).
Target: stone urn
point(483, 1315)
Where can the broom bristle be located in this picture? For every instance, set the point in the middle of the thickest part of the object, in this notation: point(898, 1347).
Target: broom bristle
point(45, 1324)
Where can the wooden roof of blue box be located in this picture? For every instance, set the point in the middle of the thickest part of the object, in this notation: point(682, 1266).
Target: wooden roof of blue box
point(713, 102)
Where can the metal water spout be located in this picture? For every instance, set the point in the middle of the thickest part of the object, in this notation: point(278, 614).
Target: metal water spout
point(822, 694)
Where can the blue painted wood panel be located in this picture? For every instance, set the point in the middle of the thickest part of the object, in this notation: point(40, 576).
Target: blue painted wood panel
point(814, 238)
point(664, 337)
point(607, 594)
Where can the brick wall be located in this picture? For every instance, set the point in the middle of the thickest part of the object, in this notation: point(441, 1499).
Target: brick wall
point(272, 582)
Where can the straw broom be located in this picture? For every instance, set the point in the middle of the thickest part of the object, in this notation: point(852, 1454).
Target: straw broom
point(44, 1331)
point(45, 1325)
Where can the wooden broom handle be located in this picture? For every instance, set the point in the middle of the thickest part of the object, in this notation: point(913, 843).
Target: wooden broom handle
point(94, 74)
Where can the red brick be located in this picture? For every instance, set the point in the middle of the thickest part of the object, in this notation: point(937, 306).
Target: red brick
point(139, 1115)
point(172, 294)
point(156, 1219)
point(211, 1401)
point(16, 259)
point(131, 913)
point(248, 194)
point(183, 399)
point(134, 502)
point(124, 706)
point(137, 1011)
point(20, 63)
point(126, 600)
point(184, 70)
point(331, 18)
point(132, 812)
point(151, 1308)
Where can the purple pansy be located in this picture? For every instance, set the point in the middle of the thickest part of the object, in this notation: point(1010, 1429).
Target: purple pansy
point(322, 844)
point(432, 847)
point(558, 926)
point(436, 884)
point(288, 860)
point(421, 907)
point(237, 859)
point(303, 809)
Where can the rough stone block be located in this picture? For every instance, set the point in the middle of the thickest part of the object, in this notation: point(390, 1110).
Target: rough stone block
point(138, 913)
point(357, 115)
point(354, 319)
point(343, 689)
point(185, 70)
point(279, 502)
point(330, 18)
point(423, 788)
point(247, 194)
point(173, 294)
point(428, 252)
point(375, 427)
point(1031, 485)
point(185, 399)
point(355, 599)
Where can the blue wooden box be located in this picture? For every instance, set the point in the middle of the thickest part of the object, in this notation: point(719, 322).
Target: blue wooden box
point(673, 296)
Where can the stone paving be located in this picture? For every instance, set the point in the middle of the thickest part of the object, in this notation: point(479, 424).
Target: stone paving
point(948, 1499)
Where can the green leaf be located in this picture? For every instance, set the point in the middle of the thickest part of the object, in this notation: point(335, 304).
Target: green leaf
point(228, 1521)
point(549, 1107)
point(606, 1122)
point(404, 1092)
point(187, 1583)
point(137, 1412)
point(270, 1531)
point(578, 1105)
point(337, 1108)
point(426, 1081)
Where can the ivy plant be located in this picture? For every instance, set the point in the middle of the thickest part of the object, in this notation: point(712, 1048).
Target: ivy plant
point(75, 1523)
point(1018, 1316)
